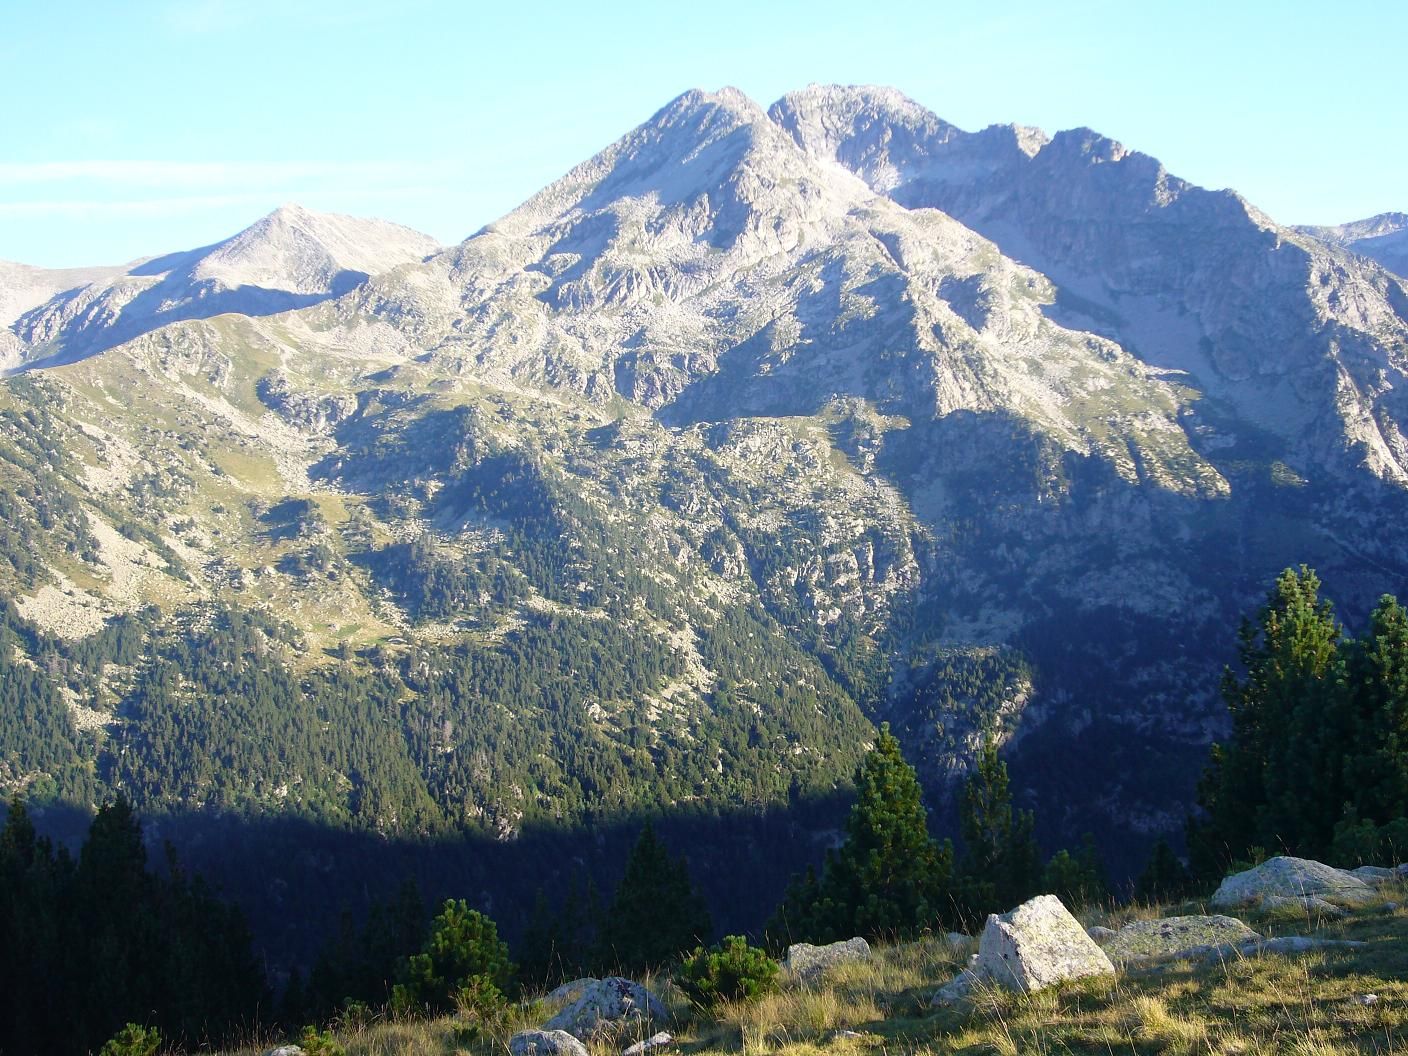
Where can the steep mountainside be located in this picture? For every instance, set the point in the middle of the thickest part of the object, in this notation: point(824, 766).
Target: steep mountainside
point(1383, 238)
point(752, 431)
point(289, 259)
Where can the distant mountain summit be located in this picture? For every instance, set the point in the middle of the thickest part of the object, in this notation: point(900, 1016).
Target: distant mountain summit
point(289, 259)
point(1383, 238)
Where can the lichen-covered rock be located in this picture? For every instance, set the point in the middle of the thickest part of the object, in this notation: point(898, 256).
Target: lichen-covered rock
point(569, 991)
point(808, 962)
point(545, 1043)
point(1376, 875)
point(1301, 944)
point(608, 1006)
point(957, 989)
point(1287, 877)
point(1173, 936)
point(1036, 945)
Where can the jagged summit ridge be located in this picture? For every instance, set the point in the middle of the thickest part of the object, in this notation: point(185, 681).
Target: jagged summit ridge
point(1382, 238)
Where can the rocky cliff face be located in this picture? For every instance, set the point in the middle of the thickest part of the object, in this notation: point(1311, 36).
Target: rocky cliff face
point(986, 434)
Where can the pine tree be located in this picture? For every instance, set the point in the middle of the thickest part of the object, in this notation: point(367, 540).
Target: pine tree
point(1076, 879)
point(1278, 783)
point(656, 915)
point(1377, 674)
point(889, 877)
point(463, 953)
point(1001, 862)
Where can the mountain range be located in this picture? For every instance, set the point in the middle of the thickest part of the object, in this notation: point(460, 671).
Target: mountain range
point(755, 430)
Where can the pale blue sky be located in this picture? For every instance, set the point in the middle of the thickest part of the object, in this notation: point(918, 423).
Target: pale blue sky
point(138, 127)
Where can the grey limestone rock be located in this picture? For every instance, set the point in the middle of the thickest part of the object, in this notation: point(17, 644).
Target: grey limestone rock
point(1034, 946)
point(569, 991)
point(808, 962)
point(957, 989)
point(659, 1040)
point(1376, 875)
point(1037, 945)
point(608, 1006)
point(1294, 878)
point(1143, 940)
point(545, 1043)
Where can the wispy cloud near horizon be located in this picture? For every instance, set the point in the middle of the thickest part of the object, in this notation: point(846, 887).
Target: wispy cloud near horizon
point(167, 174)
point(179, 204)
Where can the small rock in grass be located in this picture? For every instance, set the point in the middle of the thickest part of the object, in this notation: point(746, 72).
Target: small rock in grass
point(650, 1044)
point(545, 1043)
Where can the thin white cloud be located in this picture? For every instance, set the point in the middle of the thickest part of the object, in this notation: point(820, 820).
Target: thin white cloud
point(167, 206)
point(205, 174)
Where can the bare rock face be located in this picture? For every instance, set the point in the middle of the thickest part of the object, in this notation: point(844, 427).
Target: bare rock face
point(1143, 940)
point(307, 411)
point(545, 1043)
point(808, 962)
point(1291, 878)
point(608, 1007)
point(1037, 945)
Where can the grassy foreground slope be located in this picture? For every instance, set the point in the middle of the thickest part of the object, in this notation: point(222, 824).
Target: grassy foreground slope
point(1310, 1004)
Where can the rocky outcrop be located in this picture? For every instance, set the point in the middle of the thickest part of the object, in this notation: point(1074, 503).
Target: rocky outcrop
point(1285, 878)
point(308, 411)
point(1147, 940)
point(1036, 945)
point(545, 1043)
point(608, 1007)
point(808, 963)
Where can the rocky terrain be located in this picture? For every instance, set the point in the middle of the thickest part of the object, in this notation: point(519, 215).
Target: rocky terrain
point(1383, 238)
point(793, 420)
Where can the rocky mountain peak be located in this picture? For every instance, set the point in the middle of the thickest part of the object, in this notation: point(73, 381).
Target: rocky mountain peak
point(291, 258)
point(878, 133)
point(296, 250)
